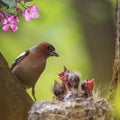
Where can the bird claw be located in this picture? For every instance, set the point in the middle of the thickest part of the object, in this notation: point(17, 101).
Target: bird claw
point(33, 92)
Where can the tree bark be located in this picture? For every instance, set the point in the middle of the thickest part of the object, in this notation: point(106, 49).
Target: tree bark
point(14, 100)
point(116, 67)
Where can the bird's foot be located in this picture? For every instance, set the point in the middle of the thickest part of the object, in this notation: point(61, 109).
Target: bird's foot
point(33, 92)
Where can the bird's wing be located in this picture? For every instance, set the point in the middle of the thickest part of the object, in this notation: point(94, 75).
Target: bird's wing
point(20, 58)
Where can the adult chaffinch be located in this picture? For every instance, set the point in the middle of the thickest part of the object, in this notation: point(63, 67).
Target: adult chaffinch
point(29, 65)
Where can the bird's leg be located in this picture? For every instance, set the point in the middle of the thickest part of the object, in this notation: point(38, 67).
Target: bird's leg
point(33, 92)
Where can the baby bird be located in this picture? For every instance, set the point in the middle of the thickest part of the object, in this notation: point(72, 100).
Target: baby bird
point(59, 90)
point(87, 87)
point(29, 65)
point(70, 79)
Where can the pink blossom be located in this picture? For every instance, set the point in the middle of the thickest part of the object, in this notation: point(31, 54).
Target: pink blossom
point(1, 14)
point(18, 10)
point(31, 12)
point(10, 22)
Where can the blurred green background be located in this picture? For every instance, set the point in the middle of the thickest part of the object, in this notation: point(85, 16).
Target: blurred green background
point(82, 32)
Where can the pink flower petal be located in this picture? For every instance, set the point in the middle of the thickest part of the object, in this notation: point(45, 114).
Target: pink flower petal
point(5, 28)
point(24, 12)
point(26, 15)
point(31, 12)
point(15, 20)
point(10, 18)
point(13, 28)
point(1, 15)
point(35, 15)
point(4, 21)
point(34, 8)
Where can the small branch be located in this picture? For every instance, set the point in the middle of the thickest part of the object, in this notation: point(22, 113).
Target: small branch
point(116, 67)
point(22, 5)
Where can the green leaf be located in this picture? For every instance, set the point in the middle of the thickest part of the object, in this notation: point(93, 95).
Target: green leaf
point(12, 10)
point(10, 3)
point(3, 5)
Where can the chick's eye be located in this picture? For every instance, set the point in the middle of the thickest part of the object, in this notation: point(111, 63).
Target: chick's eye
point(83, 85)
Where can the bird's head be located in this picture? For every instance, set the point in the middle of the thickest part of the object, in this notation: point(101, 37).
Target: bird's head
point(58, 89)
point(74, 79)
point(87, 86)
point(69, 78)
point(62, 74)
point(46, 49)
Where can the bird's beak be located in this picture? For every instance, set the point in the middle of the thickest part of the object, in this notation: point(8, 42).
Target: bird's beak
point(90, 85)
point(54, 53)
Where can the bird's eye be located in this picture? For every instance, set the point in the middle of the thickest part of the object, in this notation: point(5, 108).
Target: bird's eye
point(48, 47)
point(83, 85)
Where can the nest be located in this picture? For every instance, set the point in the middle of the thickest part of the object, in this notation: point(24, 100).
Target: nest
point(70, 102)
point(82, 109)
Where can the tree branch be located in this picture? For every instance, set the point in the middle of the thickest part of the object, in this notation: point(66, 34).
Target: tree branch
point(116, 67)
point(14, 100)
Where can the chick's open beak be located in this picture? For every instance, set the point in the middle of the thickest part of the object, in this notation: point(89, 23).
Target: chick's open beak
point(90, 84)
point(54, 53)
